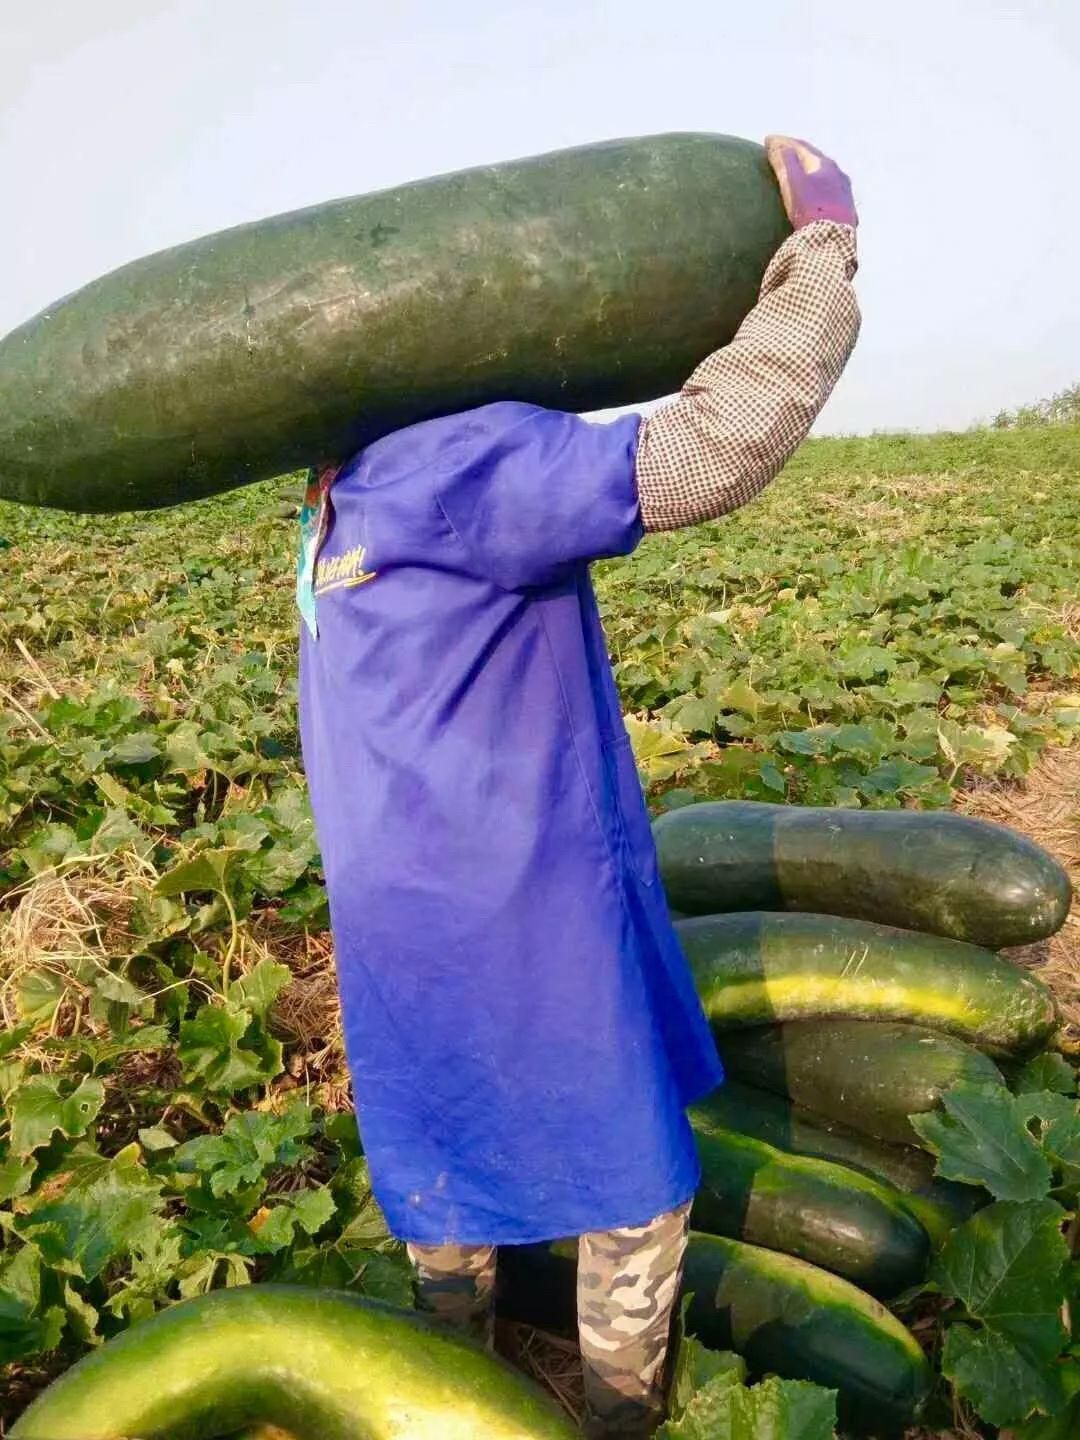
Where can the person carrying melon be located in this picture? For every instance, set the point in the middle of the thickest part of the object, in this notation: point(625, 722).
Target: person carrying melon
point(520, 1023)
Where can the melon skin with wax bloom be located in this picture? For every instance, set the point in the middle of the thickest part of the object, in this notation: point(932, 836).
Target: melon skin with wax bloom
point(589, 277)
point(321, 1364)
point(934, 871)
point(754, 967)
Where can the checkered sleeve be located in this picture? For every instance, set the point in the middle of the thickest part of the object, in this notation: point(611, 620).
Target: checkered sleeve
point(748, 406)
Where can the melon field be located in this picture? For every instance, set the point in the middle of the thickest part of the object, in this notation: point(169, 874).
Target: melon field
point(896, 623)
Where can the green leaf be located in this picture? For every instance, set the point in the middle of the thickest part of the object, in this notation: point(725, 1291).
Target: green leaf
point(48, 847)
point(1058, 1120)
point(219, 1229)
point(184, 751)
point(135, 749)
point(206, 1271)
point(117, 831)
point(906, 693)
point(12, 1075)
point(251, 1144)
point(696, 1365)
point(982, 1139)
point(676, 799)
point(273, 1227)
point(82, 1318)
point(103, 1050)
point(1002, 1382)
point(817, 740)
point(1006, 1265)
point(708, 1401)
point(307, 906)
point(691, 714)
point(223, 1050)
point(20, 1277)
point(388, 1278)
point(40, 1107)
point(1048, 1071)
point(313, 1208)
point(153, 1269)
point(24, 1330)
point(244, 832)
point(209, 870)
point(260, 987)
point(111, 988)
point(341, 1129)
point(661, 749)
point(741, 696)
point(365, 1223)
point(16, 1177)
point(108, 1208)
point(210, 1051)
point(863, 662)
point(158, 917)
point(772, 778)
point(773, 1410)
point(324, 1266)
point(869, 742)
point(123, 800)
point(37, 994)
point(892, 776)
point(276, 866)
point(1065, 1425)
point(11, 1039)
point(156, 1138)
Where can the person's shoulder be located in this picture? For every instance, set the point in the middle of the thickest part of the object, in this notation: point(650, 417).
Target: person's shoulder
point(492, 418)
point(444, 438)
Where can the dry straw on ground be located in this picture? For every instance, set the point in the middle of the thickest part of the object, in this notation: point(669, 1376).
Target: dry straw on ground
point(307, 1016)
point(1046, 807)
point(551, 1360)
point(70, 923)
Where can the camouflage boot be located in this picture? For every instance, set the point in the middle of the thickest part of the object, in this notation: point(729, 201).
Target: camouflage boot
point(457, 1283)
point(628, 1281)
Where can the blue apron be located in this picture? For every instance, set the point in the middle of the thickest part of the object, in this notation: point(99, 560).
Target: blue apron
point(520, 1023)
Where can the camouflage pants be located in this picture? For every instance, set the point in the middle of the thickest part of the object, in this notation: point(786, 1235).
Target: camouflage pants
point(628, 1280)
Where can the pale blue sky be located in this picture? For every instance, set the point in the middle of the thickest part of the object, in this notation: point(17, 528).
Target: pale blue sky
point(128, 125)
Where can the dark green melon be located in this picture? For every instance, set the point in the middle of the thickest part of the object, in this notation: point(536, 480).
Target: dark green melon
point(937, 1204)
point(756, 966)
point(869, 1074)
point(831, 1215)
point(585, 278)
point(944, 874)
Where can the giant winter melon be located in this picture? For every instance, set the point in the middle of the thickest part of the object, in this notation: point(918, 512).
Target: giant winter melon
point(579, 279)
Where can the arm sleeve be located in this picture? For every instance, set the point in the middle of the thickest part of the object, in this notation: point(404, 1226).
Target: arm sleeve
point(747, 407)
point(533, 493)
